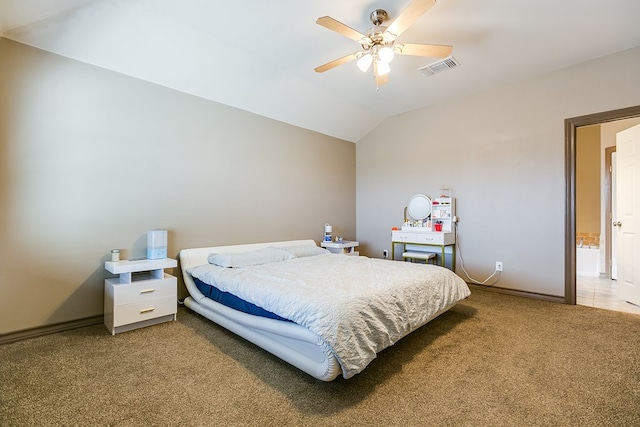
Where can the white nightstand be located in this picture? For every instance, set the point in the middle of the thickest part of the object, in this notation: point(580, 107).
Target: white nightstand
point(343, 247)
point(145, 298)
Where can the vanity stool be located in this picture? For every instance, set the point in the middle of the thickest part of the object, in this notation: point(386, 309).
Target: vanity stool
point(426, 256)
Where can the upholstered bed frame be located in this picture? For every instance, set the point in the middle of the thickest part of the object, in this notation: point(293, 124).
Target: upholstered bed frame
point(289, 341)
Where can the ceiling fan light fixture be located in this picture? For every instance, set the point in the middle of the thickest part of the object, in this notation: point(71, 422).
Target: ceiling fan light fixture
point(383, 68)
point(365, 62)
point(386, 54)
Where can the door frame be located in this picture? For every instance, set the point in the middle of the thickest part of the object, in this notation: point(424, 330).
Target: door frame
point(608, 194)
point(570, 126)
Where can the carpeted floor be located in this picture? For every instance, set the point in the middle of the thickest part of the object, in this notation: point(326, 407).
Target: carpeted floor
point(493, 360)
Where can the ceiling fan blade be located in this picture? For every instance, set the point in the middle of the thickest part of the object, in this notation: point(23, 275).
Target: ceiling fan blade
point(335, 63)
point(430, 50)
point(382, 80)
point(415, 10)
point(340, 28)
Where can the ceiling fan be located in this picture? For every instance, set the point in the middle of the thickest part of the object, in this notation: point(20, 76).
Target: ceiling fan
point(379, 44)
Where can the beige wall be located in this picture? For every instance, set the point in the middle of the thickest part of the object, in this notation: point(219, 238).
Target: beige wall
point(588, 182)
point(502, 153)
point(91, 159)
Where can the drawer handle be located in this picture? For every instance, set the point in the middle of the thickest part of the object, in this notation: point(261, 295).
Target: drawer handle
point(146, 291)
point(147, 310)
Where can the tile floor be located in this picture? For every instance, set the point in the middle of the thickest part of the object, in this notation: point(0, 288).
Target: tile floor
point(602, 293)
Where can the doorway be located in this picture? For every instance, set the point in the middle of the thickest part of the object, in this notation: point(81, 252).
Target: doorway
point(571, 126)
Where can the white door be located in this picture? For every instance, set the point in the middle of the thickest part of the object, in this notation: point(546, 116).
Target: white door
point(628, 214)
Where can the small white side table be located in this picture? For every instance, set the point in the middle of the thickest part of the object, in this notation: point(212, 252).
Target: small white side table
point(343, 247)
point(145, 298)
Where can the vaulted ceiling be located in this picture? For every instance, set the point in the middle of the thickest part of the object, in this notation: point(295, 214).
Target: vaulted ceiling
point(260, 56)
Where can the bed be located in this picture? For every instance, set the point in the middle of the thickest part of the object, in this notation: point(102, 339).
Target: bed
point(327, 314)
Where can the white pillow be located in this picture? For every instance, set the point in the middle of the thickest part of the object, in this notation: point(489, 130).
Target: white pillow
point(245, 259)
point(304, 250)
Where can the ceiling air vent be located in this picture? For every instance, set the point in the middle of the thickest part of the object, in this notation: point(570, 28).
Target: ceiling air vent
point(439, 66)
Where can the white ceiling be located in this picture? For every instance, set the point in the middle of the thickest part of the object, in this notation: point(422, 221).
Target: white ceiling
point(259, 55)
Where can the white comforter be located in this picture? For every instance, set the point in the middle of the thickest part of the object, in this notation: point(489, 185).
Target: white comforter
point(358, 305)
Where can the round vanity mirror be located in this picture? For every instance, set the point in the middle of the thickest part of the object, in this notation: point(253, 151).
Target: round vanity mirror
point(419, 207)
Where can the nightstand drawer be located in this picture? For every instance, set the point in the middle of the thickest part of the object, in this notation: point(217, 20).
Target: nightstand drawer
point(126, 293)
point(144, 310)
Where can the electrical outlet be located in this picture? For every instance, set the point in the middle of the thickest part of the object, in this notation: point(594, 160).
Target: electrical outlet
point(385, 253)
point(498, 265)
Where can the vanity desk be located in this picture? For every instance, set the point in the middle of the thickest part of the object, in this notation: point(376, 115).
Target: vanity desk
point(425, 238)
point(427, 223)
